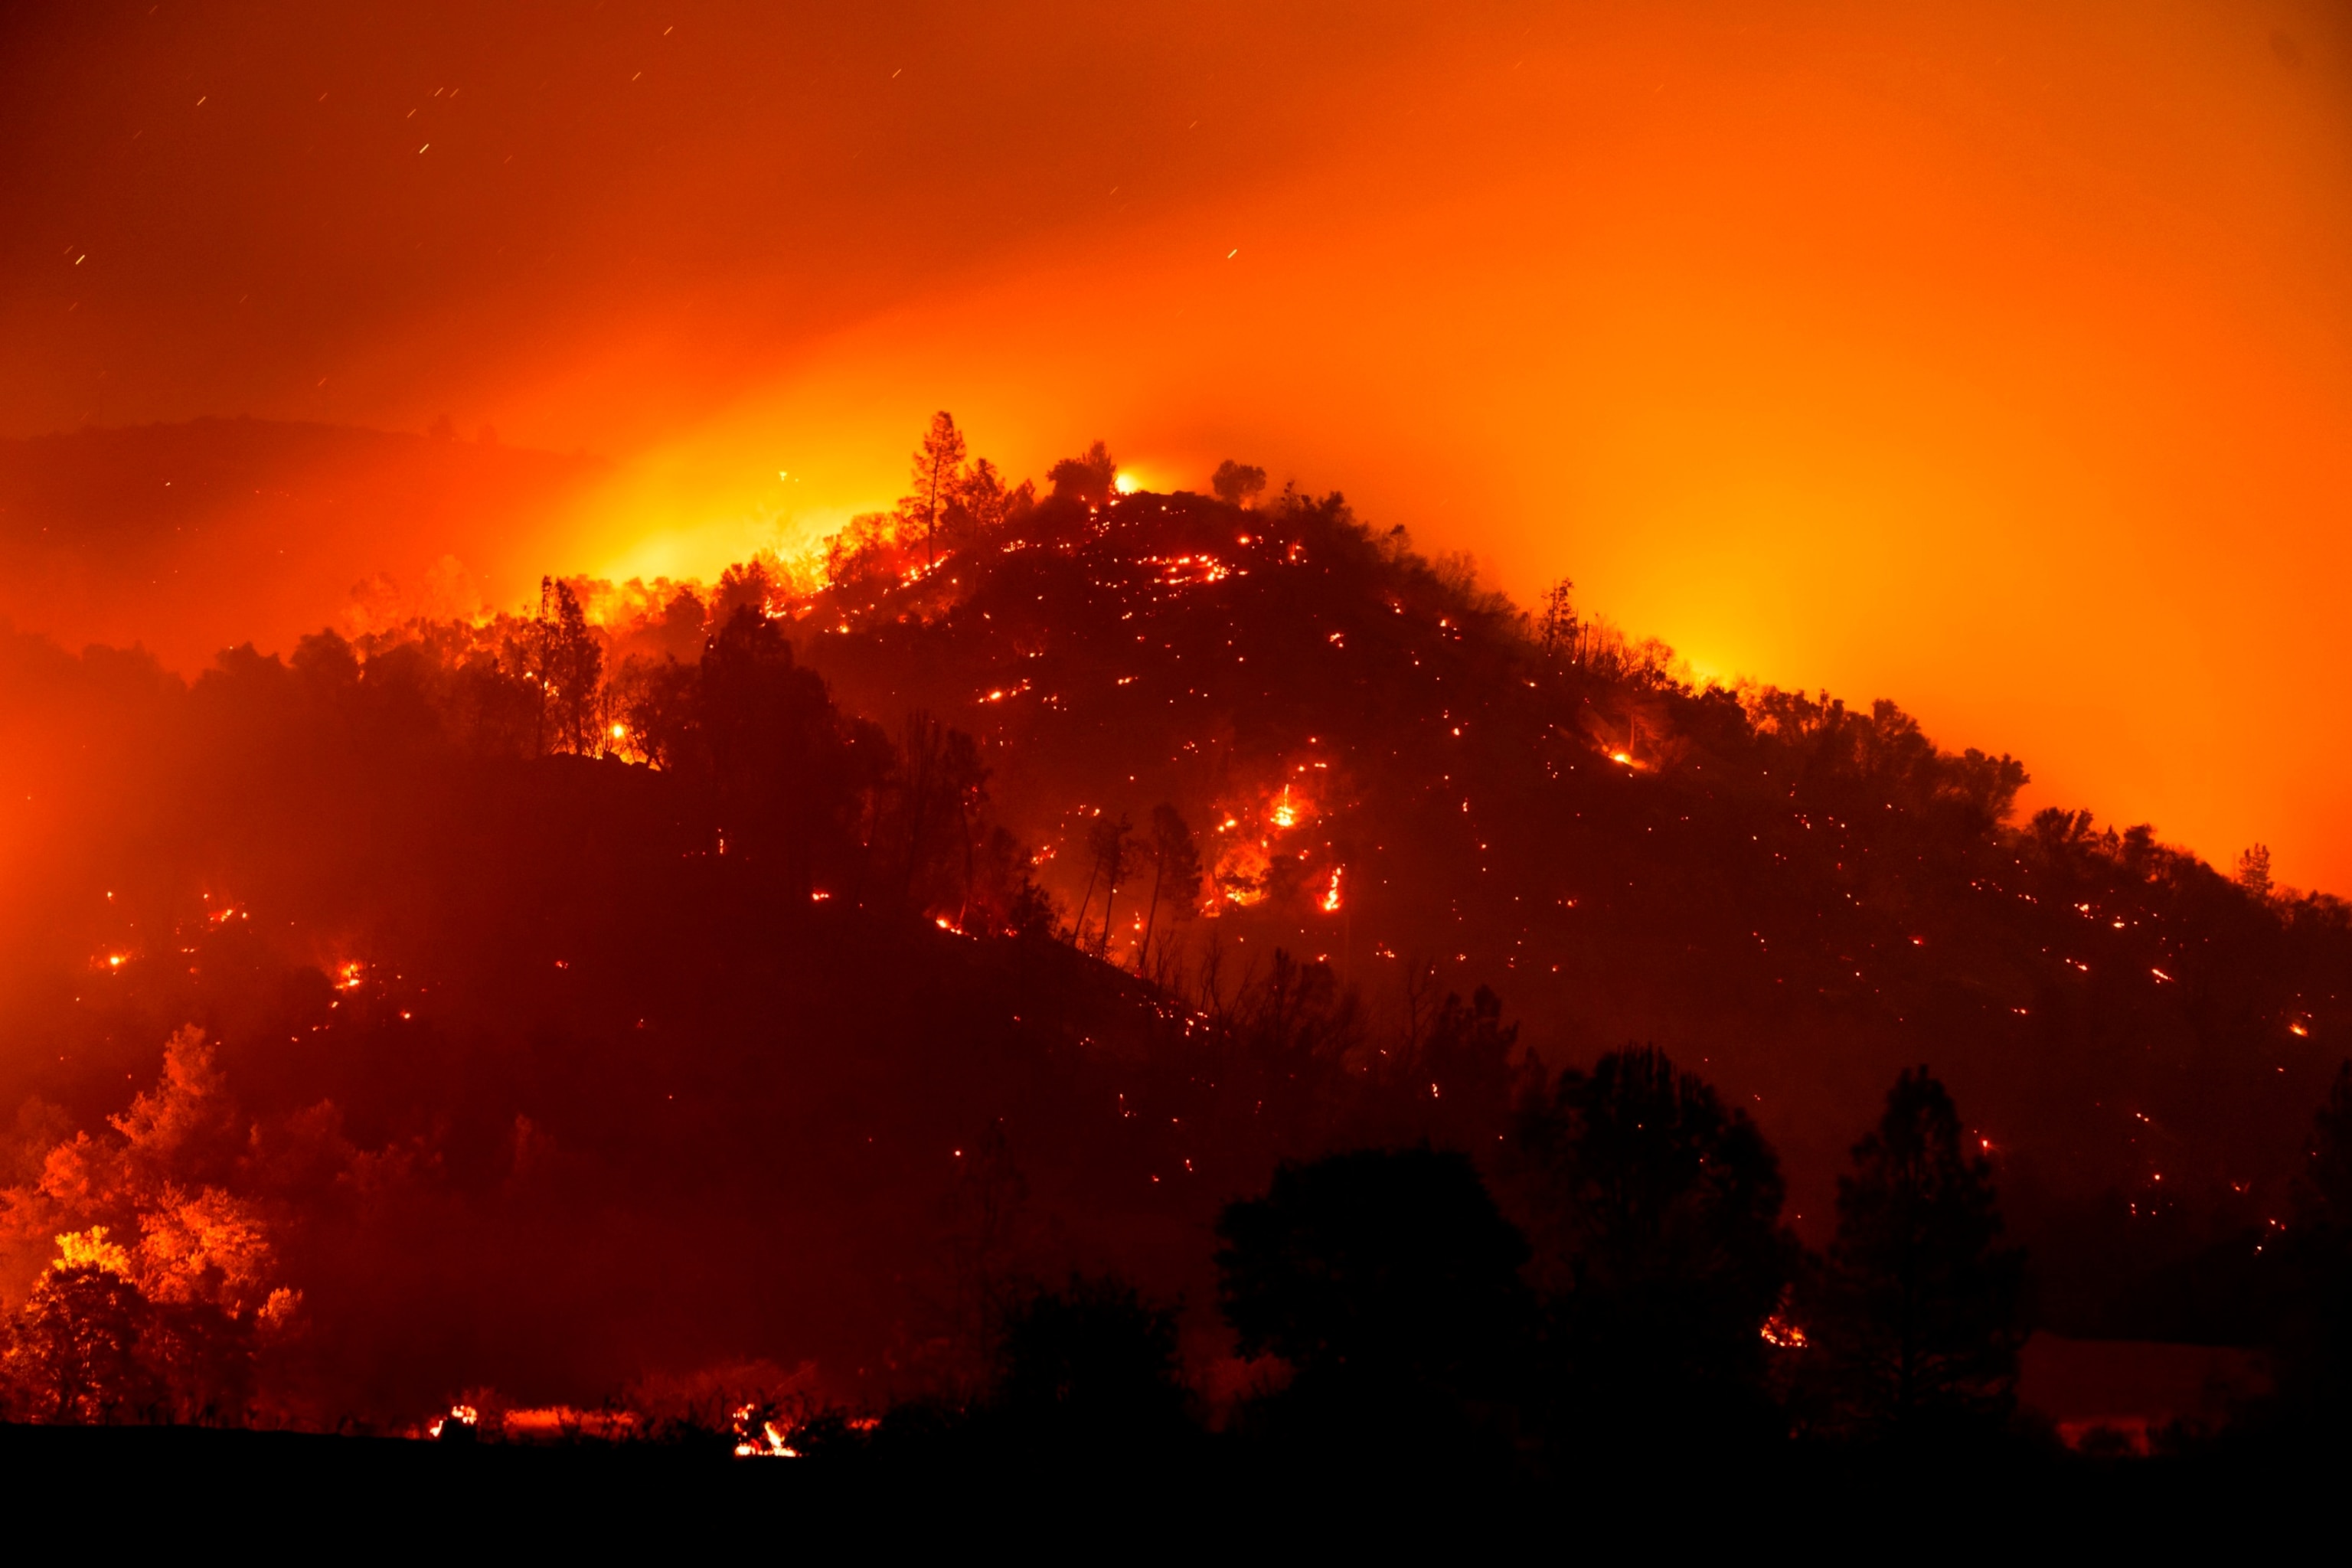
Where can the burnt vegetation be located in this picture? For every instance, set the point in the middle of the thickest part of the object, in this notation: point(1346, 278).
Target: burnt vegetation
point(1102, 962)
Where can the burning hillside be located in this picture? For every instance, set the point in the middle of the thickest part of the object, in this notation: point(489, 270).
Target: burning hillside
point(785, 968)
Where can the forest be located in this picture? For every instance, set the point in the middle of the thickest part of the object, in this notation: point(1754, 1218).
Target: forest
point(1073, 965)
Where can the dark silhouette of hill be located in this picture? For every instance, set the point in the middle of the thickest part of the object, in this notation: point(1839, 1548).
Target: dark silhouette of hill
point(753, 976)
point(192, 537)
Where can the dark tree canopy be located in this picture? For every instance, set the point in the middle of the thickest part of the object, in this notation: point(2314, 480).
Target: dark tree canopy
point(1237, 484)
point(1656, 1216)
point(1380, 1264)
point(1092, 1358)
point(1086, 479)
point(1918, 1319)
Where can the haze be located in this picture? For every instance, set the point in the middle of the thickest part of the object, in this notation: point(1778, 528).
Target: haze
point(1988, 358)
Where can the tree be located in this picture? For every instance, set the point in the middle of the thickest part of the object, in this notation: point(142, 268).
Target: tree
point(75, 1350)
point(2315, 1348)
point(1656, 1213)
point(786, 772)
point(1106, 837)
point(1175, 872)
point(942, 782)
point(568, 664)
point(1918, 1317)
point(1380, 1266)
point(2254, 871)
point(1560, 626)
point(1086, 479)
point(1237, 484)
point(937, 469)
point(1092, 1359)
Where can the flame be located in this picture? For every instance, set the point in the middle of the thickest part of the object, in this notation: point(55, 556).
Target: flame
point(348, 975)
point(1331, 894)
point(1783, 1334)
point(464, 1415)
point(1285, 814)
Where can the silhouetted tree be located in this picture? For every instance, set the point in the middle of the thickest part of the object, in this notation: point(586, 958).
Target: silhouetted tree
point(1086, 479)
point(1917, 1318)
point(940, 785)
point(938, 472)
point(1655, 1214)
point(1106, 837)
point(2315, 1348)
point(1557, 626)
point(1237, 484)
point(568, 664)
point(1377, 1267)
point(2254, 871)
point(1175, 872)
point(1092, 1360)
point(787, 771)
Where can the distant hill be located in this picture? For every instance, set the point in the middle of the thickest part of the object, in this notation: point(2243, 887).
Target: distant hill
point(189, 538)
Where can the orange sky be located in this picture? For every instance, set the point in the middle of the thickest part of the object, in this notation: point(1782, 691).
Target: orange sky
point(1997, 359)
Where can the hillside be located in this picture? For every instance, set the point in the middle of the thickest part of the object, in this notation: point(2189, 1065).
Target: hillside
point(680, 980)
point(1801, 896)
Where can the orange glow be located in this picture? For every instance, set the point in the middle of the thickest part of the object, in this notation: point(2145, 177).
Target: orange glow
point(1330, 903)
point(1788, 334)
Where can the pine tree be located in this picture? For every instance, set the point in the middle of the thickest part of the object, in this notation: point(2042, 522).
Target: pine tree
point(1918, 1321)
point(938, 469)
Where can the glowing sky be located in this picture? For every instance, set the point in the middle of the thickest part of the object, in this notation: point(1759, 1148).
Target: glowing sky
point(1997, 359)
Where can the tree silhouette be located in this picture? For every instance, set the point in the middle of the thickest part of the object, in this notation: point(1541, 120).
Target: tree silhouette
point(568, 664)
point(1656, 1213)
point(2315, 1348)
point(1106, 836)
point(1237, 484)
point(938, 472)
point(1175, 872)
point(1086, 479)
point(1917, 1321)
point(1376, 1267)
point(1092, 1360)
point(1557, 626)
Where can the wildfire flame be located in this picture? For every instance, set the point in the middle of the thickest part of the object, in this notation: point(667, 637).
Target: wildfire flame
point(464, 1415)
point(1331, 894)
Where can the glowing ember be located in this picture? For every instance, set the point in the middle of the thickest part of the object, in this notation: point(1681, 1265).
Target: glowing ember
point(1783, 1334)
point(1331, 894)
point(348, 975)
